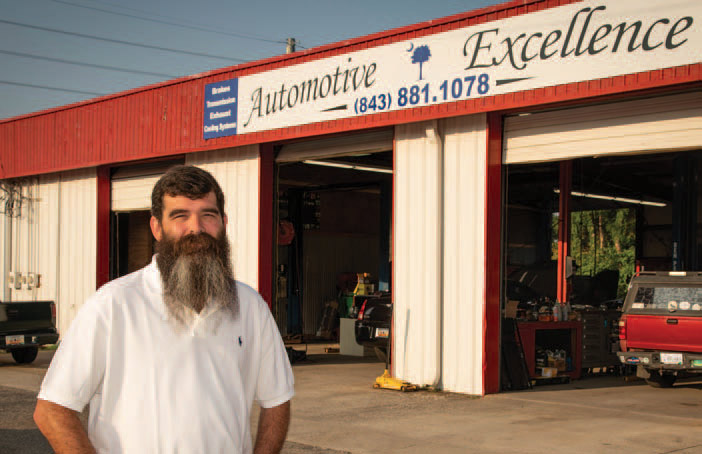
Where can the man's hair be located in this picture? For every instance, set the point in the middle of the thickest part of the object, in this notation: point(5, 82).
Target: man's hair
point(189, 181)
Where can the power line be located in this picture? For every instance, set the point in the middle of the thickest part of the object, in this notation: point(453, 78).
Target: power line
point(89, 65)
point(46, 87)
point(118, 41)
point(176, 24)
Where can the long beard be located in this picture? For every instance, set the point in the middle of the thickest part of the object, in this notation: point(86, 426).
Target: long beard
point(196, 273)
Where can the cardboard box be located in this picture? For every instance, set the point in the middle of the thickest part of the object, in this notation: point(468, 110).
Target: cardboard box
point(549, 372)
point(558, 364)
point(511, 309)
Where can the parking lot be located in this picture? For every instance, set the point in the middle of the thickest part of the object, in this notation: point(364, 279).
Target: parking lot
point(336, 410)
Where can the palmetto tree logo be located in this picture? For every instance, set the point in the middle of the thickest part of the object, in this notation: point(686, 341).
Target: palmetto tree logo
point(421, 55)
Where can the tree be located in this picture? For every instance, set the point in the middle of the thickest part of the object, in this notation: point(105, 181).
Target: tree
point(421, 54)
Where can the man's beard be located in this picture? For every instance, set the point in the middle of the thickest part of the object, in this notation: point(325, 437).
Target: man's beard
point(196, 272)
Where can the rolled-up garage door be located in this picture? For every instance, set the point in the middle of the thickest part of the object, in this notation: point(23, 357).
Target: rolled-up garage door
point(665, 123)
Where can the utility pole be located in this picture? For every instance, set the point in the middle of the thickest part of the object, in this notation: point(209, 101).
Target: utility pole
point(290, 47)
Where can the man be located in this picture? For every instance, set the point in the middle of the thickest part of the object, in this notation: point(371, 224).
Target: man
point(171, 357)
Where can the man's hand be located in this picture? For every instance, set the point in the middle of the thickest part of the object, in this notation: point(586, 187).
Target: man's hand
point(62, 427)
point(272, 429)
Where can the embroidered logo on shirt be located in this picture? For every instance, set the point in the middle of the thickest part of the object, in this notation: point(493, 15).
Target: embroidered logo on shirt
point(240, 341)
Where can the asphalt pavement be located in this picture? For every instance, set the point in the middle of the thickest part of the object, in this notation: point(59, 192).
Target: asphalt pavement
point(337, 411)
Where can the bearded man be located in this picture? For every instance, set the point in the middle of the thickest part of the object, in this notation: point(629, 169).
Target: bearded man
point(171, 357)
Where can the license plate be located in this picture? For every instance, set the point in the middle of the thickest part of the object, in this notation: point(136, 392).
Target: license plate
point(14, 340)
point(382, 332)
point(672, 358)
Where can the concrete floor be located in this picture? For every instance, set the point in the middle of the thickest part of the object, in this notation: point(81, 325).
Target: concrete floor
point(336, 410)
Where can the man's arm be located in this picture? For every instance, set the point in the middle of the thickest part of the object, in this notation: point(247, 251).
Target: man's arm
point(272, 429)
point(62, 427)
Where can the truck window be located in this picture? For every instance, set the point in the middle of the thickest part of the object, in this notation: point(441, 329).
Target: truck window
point(668, 299)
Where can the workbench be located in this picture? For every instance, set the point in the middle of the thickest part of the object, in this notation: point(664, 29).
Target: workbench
point(550, 335)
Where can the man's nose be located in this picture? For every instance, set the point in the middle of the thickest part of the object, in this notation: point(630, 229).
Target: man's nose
point(195, 225)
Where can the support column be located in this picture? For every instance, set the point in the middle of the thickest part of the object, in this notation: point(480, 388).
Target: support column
point(104, 199)
point(493, 255)
point(267, 238)
point(565, 185)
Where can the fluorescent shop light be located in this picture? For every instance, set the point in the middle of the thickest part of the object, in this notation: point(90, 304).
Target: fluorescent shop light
point(347, 166)
point(613, 198)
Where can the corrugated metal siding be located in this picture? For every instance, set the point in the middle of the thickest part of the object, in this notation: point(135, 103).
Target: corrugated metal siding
point(417, 266)
point(24, 235)
point(237, 171)
point(77, 243)
point(465, 142)
point(3, 273)
point(665, 123)
point(55, 236)
point(49, 231)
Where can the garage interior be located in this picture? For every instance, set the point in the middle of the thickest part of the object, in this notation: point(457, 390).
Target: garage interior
point(624, 214)
point(334, 212)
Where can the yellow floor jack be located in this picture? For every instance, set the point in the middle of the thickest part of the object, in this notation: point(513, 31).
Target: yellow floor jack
point(386, 381)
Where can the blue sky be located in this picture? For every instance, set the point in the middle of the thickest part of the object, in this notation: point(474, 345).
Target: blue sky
point(42, 40)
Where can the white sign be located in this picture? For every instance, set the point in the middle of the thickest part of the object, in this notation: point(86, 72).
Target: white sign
point(581, 41)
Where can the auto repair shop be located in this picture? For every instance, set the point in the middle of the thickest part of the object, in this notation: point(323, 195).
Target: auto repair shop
point(473, 165)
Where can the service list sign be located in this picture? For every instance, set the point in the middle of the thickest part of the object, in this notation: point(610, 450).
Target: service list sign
point(221, 108)
point(587, 40)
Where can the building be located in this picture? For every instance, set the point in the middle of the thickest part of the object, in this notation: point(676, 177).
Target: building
point(449, 142)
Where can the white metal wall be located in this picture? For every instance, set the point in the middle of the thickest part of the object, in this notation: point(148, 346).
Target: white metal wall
point(439, 253)
point(54, 236)
point(465, 144)
point(665, 123)
point(76, 271)
point(417, 264)
point(237, 170)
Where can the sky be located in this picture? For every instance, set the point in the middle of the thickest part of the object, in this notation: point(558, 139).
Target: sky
point(57, 52)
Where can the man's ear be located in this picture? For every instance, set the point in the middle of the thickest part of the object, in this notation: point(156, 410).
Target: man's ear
point(156, 228)
point(224, 220)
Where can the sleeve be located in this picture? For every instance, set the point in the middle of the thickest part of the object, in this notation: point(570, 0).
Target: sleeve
point(76, 371)
point(275, 384)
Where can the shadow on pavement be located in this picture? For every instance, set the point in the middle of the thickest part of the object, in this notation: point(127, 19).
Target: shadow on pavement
point(26, 441)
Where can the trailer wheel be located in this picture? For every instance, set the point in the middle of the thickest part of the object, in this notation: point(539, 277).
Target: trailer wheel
point(658, 380)
point(24, 355)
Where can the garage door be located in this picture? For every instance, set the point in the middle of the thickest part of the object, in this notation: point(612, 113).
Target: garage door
point(356, 144)
point(666, 123)
point(131, 186)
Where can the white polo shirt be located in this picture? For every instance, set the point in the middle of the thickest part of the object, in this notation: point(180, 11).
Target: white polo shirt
point(153, 389)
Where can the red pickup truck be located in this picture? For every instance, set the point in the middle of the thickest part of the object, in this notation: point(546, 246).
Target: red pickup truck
point(660, 330)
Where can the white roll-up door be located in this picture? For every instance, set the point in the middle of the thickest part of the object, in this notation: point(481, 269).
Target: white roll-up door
point(664, 123)
point(131, 186)
point(370, 142)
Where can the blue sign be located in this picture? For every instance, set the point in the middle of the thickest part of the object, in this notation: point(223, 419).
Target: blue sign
point(220, 109)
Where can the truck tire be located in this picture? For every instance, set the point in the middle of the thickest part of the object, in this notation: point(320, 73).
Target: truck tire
point(658, 380)
point(24, 355)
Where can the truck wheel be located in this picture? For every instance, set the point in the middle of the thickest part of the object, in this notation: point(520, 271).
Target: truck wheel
point(658, 380)
point(24, 355)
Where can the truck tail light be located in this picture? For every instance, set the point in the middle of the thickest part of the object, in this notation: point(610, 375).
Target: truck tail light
point(622, 328)
point(363, 309)
point(53, 314)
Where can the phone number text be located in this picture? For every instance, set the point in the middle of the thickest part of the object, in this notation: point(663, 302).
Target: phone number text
point(460, 87)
